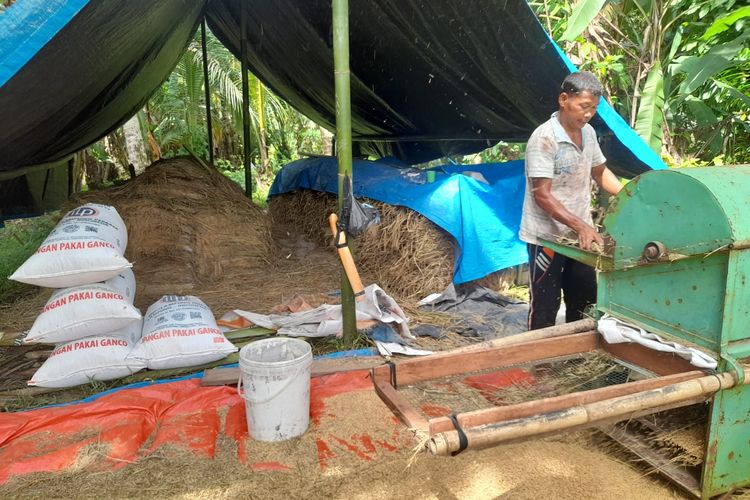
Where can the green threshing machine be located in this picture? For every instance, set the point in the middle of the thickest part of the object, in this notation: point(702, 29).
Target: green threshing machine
point(680, 268)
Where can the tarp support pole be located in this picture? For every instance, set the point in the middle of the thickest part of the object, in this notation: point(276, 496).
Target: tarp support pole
point(245, 103)
point(343, 143)
point(208, 94)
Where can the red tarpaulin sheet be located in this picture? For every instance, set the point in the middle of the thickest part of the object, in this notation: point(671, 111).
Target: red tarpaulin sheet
point(181, 413)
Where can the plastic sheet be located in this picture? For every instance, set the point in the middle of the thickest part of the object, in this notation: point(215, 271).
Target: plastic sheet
point(428, 79)
point(71, 71)
point(482, 218)
point(181, 413)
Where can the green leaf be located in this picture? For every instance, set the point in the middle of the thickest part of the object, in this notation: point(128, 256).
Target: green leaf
point(583, 13)
point(724, 23)
point(676, 41)
point(737, 94)
point(703, 115)
point(698, 69)
point(650, 112)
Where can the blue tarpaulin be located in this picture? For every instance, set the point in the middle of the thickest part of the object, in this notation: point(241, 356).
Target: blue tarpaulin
point(482, 218)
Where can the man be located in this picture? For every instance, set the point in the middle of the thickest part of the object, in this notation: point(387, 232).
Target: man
point(562, 156)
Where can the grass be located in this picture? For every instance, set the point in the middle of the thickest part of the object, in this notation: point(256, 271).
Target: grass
point(18, 241)
point(28, 402)
point(327, 345)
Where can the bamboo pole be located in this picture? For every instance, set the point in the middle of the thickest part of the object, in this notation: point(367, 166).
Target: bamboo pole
point(245, 104)
point(620, 408)
point(207, 90)
point(343, 143)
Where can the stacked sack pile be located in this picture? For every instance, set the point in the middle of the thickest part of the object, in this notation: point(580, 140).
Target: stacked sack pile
point(99, 334)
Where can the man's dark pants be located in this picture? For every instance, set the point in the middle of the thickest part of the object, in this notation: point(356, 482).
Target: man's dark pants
point(551, 272)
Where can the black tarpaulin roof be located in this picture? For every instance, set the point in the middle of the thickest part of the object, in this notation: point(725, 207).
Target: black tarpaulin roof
point(429, 78)
point(71, 71)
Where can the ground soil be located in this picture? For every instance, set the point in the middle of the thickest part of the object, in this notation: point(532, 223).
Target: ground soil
point(367, 454)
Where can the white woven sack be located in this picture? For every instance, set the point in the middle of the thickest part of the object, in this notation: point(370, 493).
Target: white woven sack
point(86, 246)
point(124, 284)
point(131, 333)
point(180, 331)
point(84, 360)
point(81, 311)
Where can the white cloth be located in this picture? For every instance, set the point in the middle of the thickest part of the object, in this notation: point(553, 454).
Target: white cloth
point(326, 319)
point(391, 348)
point(615, 331)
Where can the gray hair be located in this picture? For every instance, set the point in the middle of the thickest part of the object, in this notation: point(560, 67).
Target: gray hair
point(581, 81)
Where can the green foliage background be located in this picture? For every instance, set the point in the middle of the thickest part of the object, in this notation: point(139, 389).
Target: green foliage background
point(18, 240)
point(677, 70)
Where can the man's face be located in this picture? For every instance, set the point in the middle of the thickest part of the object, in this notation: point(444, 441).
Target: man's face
point(577, 109)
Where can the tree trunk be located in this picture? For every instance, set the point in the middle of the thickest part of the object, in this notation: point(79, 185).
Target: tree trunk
point(113, 147)
point(151, 125)
point(78, 170)
point(326, 138)
point(134, 145)
point(96, 173)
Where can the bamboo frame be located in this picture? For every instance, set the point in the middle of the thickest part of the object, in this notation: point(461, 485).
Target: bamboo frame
point(581, 416)
point(245, 104)
point(342, 76)
point(671, 370)
point(207, 94)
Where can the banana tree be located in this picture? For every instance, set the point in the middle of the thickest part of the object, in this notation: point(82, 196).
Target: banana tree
point(689, 67)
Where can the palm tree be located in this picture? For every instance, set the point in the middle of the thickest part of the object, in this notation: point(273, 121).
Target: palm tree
point(177, 111)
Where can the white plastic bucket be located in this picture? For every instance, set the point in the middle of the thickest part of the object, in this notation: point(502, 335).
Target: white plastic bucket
point(276, 376)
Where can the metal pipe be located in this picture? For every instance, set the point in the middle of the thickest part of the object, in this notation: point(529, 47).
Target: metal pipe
point(245, 104)
point(620, 408)
point(343, 142)
point(208, 94)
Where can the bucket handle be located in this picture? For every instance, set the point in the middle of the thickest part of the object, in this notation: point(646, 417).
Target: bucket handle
point(272, 397)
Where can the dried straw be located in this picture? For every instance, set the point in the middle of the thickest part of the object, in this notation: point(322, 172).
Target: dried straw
point(406, 254)
point(191, 231)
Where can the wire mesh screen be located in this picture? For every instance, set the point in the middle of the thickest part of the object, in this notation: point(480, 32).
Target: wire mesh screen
point(515, 384)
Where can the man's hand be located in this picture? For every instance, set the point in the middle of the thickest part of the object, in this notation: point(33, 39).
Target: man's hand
point(588, 235)
point(542, 191)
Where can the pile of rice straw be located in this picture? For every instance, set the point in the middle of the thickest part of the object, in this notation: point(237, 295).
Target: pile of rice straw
point(190, 231)
point(193, 231)
point(406, 254)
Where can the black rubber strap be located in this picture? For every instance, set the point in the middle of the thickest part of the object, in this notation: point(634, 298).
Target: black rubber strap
point(359, 293)
point(392, 368)
point(337, 236)
point(463, 441)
